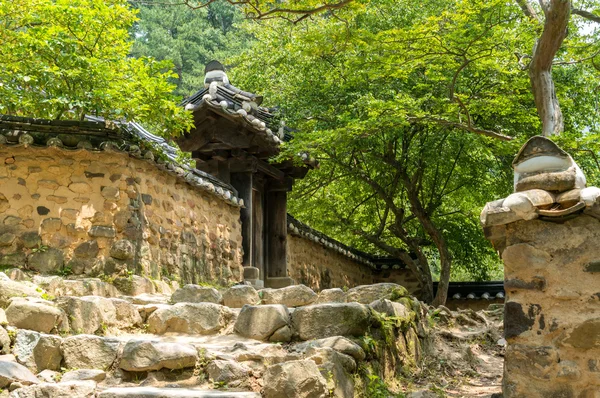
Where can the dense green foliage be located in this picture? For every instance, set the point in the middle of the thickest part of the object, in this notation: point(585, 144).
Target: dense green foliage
point(63, 59)
point(189, 38)
point(391, 96)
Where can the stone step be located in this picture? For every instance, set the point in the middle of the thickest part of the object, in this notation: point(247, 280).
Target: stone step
point(153, 392)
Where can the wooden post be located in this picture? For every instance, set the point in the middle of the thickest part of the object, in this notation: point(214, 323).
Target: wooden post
point(243, 183)
point(277, 234)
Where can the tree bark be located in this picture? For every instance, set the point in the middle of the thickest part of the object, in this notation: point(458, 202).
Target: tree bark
point(557, 13)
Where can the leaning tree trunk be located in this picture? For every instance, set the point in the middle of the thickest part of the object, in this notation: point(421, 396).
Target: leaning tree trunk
point(557, 14)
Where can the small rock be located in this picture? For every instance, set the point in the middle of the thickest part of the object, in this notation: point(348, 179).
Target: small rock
point(298, 379)
point(84, 374)
point(197, 294)
point(70, 389)
point(89, 352)
point(226, 371)
point(122, 250)
point(102, 231)
point(282, 335)
point(146, 355)
point(366, 294)
point(290, 296)
point(50, 260)
point(87, 249)
point(49, 376)
point(391, 308)
point(30, 240)
point(339, 343)
point(4, 341)
point(240, 295)
point(261, 322)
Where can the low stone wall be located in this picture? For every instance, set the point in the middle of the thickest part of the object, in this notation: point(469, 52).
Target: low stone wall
point(552, 318)
point(94, 212)
point(320, 267)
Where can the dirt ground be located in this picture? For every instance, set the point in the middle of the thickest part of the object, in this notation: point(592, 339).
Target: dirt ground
point(465, 357)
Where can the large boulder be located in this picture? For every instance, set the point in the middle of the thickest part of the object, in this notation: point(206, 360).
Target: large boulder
point(70, 389)
point(194, 318)
point(146, 355)
point(41, 316)
point(87, 314)
point(340, 344)
point(240, 295)
point(38, 351)
point(11, 372)
point(197, 294)
point(10, 289)
point(89, 352)
point(334, 319)
point(298, 379)
point(335, 295)
point(261, 322)
point(82, 287)
point(337, 369)
point(92, 314)
point(227, 371)
point(366, 294)
point(290, 296)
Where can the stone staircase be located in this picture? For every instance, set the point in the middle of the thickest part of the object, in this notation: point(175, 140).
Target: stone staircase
point(143, 338)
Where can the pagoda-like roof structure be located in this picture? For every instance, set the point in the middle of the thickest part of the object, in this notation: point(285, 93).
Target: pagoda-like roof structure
point(233, 128)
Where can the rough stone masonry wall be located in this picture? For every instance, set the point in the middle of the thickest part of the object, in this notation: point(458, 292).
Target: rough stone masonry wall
point(319, 267)
point(92, 212)
point(552, 312)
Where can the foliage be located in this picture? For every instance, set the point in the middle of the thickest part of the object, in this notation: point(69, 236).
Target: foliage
point(189, 38)
point(397, 99)
point(63, 59)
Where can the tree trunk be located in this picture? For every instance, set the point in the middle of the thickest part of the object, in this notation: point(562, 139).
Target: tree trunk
point(557, 14)
point(438, 240)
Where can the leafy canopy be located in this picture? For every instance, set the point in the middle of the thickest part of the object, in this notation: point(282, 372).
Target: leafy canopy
point(397, 100)
point(189, 38)
point(63, 59)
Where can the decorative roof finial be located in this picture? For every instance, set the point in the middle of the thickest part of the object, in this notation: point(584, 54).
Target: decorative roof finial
point(215, 72)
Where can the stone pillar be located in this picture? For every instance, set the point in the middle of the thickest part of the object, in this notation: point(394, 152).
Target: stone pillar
point(552, 309)
point(548, 234)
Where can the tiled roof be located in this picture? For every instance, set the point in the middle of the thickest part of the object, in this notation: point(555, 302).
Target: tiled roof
point(244, 106)
point(474, 290)
point(298, 228)
point(96, 134)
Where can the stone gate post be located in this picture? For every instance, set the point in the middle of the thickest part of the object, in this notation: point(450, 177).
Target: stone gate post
point(548, 235)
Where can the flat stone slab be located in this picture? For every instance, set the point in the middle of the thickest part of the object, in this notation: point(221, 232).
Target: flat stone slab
point(152, 392)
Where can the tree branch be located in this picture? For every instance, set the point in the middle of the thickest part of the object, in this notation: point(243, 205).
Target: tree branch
point(488, 133)
point(586, 14)
point(528, 10)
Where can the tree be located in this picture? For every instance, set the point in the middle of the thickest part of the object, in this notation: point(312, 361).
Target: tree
point(407, 107)
point(189, 38)
point(63, 59)
point(555, 25)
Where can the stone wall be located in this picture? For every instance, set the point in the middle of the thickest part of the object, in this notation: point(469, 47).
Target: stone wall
point(552, 312)
point(94, 212)
point(320, 267)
